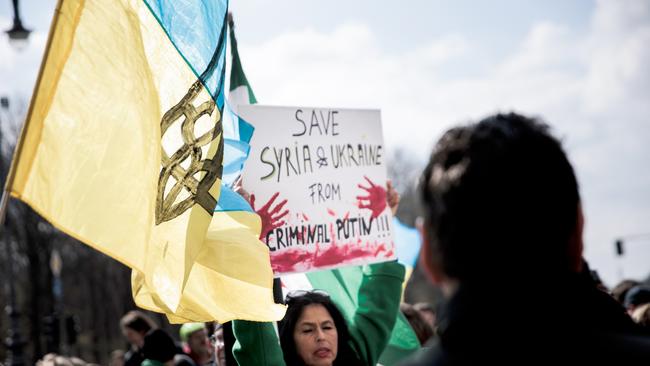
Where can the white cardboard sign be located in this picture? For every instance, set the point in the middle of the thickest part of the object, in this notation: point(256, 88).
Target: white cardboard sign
point(318, 178)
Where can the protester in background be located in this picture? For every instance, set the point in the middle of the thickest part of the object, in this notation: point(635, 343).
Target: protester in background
point(135, 325)
point(421, 327)
point(635, 297)
point(218, 343)
point(622, 288)
point(52, 359)
point(196, 346)
point(159, 349)
point(117, 358)
point(428, 313)
point(314, 332)
point(502, 236)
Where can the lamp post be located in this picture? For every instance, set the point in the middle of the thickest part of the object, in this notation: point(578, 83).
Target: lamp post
point(619, 247)
point(18, 34)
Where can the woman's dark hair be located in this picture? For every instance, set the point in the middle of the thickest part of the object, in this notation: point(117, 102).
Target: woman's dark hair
point(296, 305)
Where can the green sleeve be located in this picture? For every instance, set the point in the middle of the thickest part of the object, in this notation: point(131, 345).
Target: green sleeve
point(379, 297)
point(256, 344)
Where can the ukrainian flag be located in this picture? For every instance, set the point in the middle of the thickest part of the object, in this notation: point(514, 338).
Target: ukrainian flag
point(123, 149)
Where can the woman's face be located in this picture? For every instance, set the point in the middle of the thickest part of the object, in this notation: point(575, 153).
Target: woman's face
point(219, 347)
point(134, 337)
point(315, 336)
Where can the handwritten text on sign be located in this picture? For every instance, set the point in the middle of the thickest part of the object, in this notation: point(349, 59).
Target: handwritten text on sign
point(317, 178)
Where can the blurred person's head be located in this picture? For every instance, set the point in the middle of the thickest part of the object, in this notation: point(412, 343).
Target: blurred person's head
point(135, 325)
point(641, 315)
point(500, 199)
point(158, 347)
point(428, 313)
point(622, 288)
point(196, 342)
point(314, 332)
point(422, 329)
point(117, 358)
point(53, 359)
point(635, 297)
point(219, 344)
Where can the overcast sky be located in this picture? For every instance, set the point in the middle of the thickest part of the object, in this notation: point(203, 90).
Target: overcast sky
point(580, 65)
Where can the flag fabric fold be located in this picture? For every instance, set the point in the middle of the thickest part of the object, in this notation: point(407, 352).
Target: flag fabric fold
point(237, 132)
point(124, 148)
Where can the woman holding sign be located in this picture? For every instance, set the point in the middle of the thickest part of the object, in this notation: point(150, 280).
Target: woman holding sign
point(314, 332)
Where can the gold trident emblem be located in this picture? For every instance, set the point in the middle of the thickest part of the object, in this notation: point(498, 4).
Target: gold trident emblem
point(170, 206)
point(167, 207)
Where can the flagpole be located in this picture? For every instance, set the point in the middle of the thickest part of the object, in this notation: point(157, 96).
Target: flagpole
point(4, 203)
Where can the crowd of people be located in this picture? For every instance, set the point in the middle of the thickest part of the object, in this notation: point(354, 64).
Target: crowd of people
point(502, 237)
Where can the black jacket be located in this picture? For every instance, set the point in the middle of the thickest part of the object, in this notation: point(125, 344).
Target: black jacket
point(570, 321)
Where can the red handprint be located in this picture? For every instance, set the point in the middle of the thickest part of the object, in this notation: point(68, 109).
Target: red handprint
point(375, 200)
point(270, 217)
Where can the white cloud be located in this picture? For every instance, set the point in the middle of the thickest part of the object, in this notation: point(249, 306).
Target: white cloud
point(614, 19)
point(593, 87)
point(618, 55)
point(547, 46)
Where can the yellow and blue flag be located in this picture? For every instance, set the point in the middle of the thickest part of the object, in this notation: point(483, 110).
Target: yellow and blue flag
point(123, 149)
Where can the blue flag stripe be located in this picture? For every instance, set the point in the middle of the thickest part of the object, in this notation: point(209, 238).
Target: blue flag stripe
point(197, 29)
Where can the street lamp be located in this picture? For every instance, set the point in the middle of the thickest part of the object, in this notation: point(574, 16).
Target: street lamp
point(619, 246)
point(18, 34)
point(619, 242)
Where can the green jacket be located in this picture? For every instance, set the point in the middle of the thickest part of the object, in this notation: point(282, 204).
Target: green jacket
point(370, 329)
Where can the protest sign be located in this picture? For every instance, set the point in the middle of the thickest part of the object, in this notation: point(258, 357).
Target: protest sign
point(317, 179)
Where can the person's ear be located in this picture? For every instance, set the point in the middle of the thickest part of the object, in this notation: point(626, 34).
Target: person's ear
point(576, 244)
point(429, 265)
